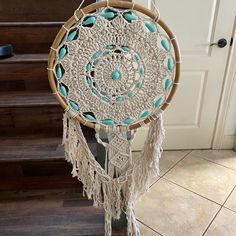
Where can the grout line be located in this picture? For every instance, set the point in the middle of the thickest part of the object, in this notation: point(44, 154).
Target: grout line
point(218, 212)
point(170, 168)
point(229, 209)
point(213, 162)
point(177, 163)
point(149, 227)
point(193, 192)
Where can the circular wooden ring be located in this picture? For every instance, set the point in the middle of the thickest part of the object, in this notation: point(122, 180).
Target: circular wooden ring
point(89, 9)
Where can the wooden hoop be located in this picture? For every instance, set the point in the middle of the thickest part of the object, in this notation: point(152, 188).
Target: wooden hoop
point(120, 4)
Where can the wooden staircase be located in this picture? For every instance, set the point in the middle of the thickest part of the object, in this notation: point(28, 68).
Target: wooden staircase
point(38, 196)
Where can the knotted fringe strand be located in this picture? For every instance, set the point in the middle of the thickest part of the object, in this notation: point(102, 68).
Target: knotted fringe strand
point(118, 194)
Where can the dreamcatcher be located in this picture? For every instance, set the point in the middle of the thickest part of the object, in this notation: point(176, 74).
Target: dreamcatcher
point(114, 66)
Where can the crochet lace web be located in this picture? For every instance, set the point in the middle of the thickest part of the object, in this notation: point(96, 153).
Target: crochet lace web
point(115, 67)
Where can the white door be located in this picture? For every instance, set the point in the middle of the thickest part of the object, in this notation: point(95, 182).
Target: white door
point(190, 119)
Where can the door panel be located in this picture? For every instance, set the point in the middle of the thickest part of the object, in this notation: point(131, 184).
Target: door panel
point(190, 119)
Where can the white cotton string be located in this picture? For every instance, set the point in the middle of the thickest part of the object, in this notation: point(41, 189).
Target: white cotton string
point(157, 18)
point(75, 15)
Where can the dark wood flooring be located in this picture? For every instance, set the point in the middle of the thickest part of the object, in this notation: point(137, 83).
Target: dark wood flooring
point(57, 212)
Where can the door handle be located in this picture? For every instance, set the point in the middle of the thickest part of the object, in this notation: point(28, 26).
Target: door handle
point(221, 43)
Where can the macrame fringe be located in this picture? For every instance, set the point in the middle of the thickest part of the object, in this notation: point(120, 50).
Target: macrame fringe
point(113, 194)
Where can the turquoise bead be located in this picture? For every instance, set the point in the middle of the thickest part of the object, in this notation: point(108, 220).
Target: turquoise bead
point(62, 53)
point(145, 114)
point(88, 67)
point(139, 84)
point(141, 71)
point(94, 91)
point(110, 46)
point(131, 94)
point(71, 35)
point(165, 44)
point(128, 120)
point(125, 48)
point(63, 90)
point(74, 105)
point(116, 75)
point(108, 122)
point(109, 15)
point(151, 27)
point(130, 16)
point(105, 99)
point(89, 117)
point(170, 64)
point(137, 57)
point(120, 99)
point(90, 20)
point(59, 72)
point(89, 80)
point(159, 102)
point(168, 84)
point(96, 55)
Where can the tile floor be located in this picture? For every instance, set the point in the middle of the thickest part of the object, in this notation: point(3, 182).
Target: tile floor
point(195, 195)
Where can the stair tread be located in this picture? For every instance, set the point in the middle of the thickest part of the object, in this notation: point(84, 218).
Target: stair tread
point(23, 99)
point(18, 58)
point(49, 212)
point(31, 148)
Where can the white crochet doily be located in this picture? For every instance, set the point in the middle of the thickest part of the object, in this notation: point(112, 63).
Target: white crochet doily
point(115, 67)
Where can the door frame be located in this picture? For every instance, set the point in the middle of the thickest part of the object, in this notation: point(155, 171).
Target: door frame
point(220, 140)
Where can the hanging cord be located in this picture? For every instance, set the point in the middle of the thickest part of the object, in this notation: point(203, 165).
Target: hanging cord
point(78, 9)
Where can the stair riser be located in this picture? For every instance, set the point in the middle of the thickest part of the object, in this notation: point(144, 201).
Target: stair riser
point(24, 77)
point(35, 11)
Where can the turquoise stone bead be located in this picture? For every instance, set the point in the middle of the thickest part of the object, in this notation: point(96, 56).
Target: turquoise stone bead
point(145, 114)
point(128, 120)
point(89, 80)
point(110, 46)
point(105, 99)
point(116, 75)
point(89, 20)
point(137, 57)
point(94, 91)
point(131, 94)
point(139, 85)
point(88, 67)
point(151, 27)
point(63, 90)
point(108, 122)
point(159, 102)
point(74, 105)
point(71, 35)
point(130, 16)
point(96, 55)
point(62, 53)
point(165, 44)
point(89, 117)
point(59, 72)
point(168, 84)
point(125, 48)
point(141, 71)
point(120, 99)
point(170, 64)
point(109, 15)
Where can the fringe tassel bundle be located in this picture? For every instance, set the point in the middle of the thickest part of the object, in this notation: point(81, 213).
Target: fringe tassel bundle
point(114, 189)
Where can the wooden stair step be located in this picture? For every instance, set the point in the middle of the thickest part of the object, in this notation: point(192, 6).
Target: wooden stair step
point(21, 99)
point(35, 148)
point(58, 212)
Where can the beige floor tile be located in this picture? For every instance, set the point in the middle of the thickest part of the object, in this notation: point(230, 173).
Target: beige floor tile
point(145, 231)
point(224, 224)
point(170, 158)
point(223, 157)
point(203, 177)
point(174, 211)
point(231, 202)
